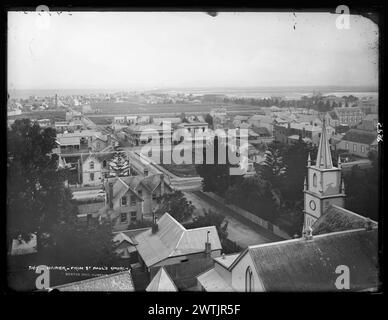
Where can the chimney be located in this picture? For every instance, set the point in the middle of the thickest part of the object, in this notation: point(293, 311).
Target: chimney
point(110, 198)
point(155, 226)
point(208, 246)
point(145, 172)
point(308, 233)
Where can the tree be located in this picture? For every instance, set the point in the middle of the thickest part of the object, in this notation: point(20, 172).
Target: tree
point(273, 168)
point(209, 120)
point(211, 218)
point(295, 160)
point(216, 176)
point(36, 195)
point(176, 205)
point(38, 202)
point(119, 165)
point(75, 244)
point(254, 195)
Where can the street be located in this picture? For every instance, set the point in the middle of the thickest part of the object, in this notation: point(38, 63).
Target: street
point(240, 232)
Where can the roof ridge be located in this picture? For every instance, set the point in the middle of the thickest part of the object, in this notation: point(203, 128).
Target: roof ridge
point(353, 213)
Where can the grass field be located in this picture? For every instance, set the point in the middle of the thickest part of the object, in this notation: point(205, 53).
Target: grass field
point(101, 120)
point(139, 108)
point(182, 170)
point(42, 114)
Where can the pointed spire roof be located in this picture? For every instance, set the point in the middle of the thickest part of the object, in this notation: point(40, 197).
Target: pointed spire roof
point(324, 160)
point(161, 282)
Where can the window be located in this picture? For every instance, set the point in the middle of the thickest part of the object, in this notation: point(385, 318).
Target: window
point(315, 180)
point(91, 176)
point(91, 165)
point(354, 147)
point(124, 201)
point(133, 200)
point(347, 146)
point(123, 217)
point(98, 145)
point(133, 216)
point(154, 196)
point(248, 280)
point(140, 192)
point(104, 164)
point(362, 149)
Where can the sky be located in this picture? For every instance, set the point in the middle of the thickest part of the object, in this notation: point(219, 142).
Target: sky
point(122, 50)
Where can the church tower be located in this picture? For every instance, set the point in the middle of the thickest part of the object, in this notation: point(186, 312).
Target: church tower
point(324, 185)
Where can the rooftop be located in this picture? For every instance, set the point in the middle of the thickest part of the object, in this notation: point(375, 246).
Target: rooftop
point(310, 265)
point(121, 281)
point(172, 239)
point(360, 136)
point(336, 219)
point(161, 282)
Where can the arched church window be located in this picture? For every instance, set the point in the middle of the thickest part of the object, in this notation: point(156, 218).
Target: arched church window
point(248, 280)
point(315, 180)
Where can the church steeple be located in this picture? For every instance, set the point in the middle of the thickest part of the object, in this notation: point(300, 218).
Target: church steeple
point(324, 160)
point(324, 185)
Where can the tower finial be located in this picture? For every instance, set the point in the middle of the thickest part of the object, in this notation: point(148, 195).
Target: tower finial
point(324, 154)
point(305, 184)
point(309, 160)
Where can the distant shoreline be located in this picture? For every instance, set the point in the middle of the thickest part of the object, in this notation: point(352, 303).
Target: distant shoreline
point(294, 91)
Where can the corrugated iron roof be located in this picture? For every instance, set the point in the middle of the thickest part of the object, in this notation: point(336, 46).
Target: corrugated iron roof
point(172, 239)
point(360, 136)
point(339, 219)
point(121, 281)
point(310, 265)
point(212, 281)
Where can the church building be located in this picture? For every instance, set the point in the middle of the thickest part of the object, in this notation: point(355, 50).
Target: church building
point(324, 185)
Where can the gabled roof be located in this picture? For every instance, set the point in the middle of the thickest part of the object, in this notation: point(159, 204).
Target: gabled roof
point(310, 265)
point(360, 136)
point(212, 281)
point(121, 281)
point(226, 260)
point(151, 182)
point(339, 219)
point(172, 239)
point(161, 282)
point(122, 237)
point(123, 184)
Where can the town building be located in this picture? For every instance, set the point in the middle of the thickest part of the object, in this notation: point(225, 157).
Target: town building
point(324, 185)
point(299, 265)
point(168, 243)
point(350, 116)
point(288, 133)
point(133, 198)
point(359, 142)
point(369, 123)
point(333, 238)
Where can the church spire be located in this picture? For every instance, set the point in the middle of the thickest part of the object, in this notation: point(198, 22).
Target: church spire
point(324, 160)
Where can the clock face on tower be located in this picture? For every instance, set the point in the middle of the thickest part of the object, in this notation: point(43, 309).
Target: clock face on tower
point(312, 204)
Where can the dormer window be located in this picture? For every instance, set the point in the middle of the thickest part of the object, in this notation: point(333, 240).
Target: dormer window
point(91, 165)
